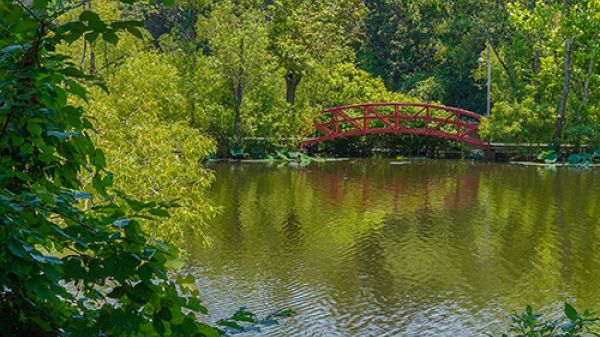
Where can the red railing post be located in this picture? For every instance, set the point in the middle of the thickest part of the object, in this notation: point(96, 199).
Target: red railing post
point(365, 119)
point(336, 127)
point(396, 118)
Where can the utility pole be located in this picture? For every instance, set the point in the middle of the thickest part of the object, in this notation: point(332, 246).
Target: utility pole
point(489, 81)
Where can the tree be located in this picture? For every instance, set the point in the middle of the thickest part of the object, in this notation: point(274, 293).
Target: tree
point(548, 63)
point(430, 48)
point(303, 32)
point(146, 129)
point(560, 120)
point(237, 38)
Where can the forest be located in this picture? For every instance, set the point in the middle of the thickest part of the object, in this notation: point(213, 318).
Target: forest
point(243, 69)
point(108, 109)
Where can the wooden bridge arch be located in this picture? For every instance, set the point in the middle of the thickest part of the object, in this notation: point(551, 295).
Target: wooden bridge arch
point(402, 118)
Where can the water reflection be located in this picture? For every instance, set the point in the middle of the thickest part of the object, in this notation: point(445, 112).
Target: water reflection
point(364, 248)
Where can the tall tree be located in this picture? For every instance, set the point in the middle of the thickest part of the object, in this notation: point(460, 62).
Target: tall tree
point(302, 32)
point(560, 120)
point(430, 48)
point(237, 39)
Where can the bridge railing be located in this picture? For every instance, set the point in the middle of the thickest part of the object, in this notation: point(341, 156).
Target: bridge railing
point(407, 118)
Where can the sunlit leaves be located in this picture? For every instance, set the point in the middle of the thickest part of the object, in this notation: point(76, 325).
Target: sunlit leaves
point(150, 145)
point(527, 92)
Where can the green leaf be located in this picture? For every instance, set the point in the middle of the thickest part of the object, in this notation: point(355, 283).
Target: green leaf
point(91, 36)
point(74, 269)
point(73, 72)
point(102, 86)
point(126, 24)
point(164, 314)
point(99, 158)
point(175, 264)
point(17, 140)
point(78, 90)
point(159, 212)
point(232, 325)
point(135, 32)
point(243, 315)
point(195, 304)
point(89, 16)
point(26, 148)
point(118, 292)
point(34, 129)
point(16, 249)
point(97, 26)
point(110, 37)
point(26, 25)
point(208, 331)
point(571, 312)
point(14, 48)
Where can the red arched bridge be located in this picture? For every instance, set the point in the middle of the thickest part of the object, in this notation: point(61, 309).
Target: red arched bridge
point(403, 118)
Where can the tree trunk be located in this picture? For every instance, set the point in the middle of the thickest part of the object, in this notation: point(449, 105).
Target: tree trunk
point(565, 95)
point(238, 96)
point(536, 49)
point(511, 77)
point(93, 70)
point(237, 87)
point(84, 54)
point(291, 82)
point(193, 31)
point(537, 55)
point(588, 77)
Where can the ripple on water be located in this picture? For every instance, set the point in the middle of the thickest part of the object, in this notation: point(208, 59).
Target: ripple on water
point(370, 249)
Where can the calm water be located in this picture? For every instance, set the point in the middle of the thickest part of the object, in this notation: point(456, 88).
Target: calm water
point(435, 248)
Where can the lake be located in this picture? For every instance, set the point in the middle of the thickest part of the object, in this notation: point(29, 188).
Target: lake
point(433, 248)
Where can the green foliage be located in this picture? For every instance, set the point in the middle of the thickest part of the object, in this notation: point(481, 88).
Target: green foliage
point(528, 77)
point(575, 324)
point(145, 127)
point(237, 38)
point(75, 262)
point(245, 321)
point(549, 157)
point(519, 122)
point(303, 33)
point(430, 47)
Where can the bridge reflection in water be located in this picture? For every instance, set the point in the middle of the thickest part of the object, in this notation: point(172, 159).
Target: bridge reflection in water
point(436, 248)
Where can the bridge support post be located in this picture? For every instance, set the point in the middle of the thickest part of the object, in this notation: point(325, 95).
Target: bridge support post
point(489, 155)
